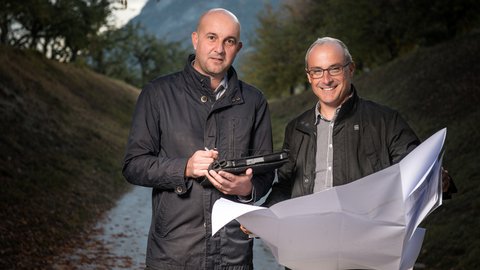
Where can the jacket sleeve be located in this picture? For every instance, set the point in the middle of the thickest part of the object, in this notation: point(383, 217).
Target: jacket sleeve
point(262, 143)
point(402, 139)
point(282, 189)
point(143, 164)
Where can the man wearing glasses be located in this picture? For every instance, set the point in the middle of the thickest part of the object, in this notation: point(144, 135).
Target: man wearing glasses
point(344, 137)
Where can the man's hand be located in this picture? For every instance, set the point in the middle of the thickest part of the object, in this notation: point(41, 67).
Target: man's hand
point(448, 186)
point(245, 230)
point(227, 183)
point(197, 165)
point(445, 180)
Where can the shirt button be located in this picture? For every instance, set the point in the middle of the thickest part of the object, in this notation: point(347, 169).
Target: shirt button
point(179, 189)
point(329, 168)
point(306, 180)
point(330, 145)
point(204, 99)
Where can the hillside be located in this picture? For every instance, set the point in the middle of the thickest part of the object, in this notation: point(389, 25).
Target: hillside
point(176, 20)
point(432, 88)
point(63, 131)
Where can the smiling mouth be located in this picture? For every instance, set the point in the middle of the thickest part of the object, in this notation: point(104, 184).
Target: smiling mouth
point(328, 88)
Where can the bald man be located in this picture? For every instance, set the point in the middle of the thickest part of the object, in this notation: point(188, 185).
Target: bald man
point(181, 124)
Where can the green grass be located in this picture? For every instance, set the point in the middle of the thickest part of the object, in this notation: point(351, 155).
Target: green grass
point(63, 132)
point(432, 88)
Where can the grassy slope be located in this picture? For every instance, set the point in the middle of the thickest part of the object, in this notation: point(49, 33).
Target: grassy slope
point(433, 88)
point(63, 131)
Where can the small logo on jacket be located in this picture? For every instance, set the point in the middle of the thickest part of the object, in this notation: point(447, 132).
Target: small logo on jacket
point(356, 127)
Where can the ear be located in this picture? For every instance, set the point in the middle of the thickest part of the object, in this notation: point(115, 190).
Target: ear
point(194, 40)
point(308, 76)
point(351, 68)
point(239, 47)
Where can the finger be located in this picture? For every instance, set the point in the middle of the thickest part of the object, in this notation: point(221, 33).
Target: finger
point(213, 177)
point(214, 154)
point(244, 230)
point(211, 153)
point(221, 188)
point(231, 177)
point(221, 184)
point(226, 176)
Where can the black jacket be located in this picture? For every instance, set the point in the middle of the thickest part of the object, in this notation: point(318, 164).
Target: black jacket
point(367, 137)
point(175, 116)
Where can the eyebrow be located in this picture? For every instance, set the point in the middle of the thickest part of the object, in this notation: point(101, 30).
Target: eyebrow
point(215, 34)
point(331, 66)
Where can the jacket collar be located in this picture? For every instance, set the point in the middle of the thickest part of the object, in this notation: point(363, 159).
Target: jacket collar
point(202, 84)
point(349, 105)
point(199, 80)
point(306, 121)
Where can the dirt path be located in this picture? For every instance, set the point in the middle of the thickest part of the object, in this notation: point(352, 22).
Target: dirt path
point(119, 240)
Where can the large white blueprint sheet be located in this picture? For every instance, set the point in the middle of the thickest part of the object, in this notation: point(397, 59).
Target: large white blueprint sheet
point(371, 223)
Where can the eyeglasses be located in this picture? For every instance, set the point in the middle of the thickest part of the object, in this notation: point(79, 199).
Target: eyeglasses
point(317, 72)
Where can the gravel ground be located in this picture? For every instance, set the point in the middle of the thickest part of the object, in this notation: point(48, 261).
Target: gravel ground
point(119, 240)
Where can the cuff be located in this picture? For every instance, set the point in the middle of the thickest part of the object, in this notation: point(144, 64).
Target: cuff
point(247, 199)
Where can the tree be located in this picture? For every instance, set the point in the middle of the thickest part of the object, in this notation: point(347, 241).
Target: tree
point(60, 29)
point(376, 31)
point(276, 64)
point(77, 25)
point(445, 19)
point(31, 19)
point(135, 56)
point(7, 16)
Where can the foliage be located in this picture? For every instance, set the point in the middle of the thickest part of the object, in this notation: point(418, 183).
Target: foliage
point(79, 31)
point(134, 56)
point(276, 64)
point(59, 29)
point(375, 31)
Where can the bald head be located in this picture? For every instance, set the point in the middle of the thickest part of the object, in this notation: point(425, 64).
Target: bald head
point(332, 41)
point(216, 42)
point(215, 12)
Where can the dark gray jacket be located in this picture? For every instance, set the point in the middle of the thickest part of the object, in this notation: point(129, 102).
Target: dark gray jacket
point(175, 116)
point(367, 137)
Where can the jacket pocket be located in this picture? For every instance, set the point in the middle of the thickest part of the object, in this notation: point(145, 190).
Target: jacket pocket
point(161, 212)
point(175, 216)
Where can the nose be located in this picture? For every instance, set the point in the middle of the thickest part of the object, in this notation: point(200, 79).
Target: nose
point(327, 78)
point(219, 47)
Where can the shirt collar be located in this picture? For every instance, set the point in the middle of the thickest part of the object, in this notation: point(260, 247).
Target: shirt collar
point(221, 88)
point(223, 84)
point(318, 115)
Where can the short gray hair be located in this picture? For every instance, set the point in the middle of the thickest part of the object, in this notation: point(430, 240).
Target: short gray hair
point(324, 40)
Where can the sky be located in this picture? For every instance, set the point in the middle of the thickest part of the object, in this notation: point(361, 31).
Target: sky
point(122, 16)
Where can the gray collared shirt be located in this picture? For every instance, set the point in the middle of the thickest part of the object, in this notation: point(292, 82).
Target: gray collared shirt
point(221, 88)
point(324, 155)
